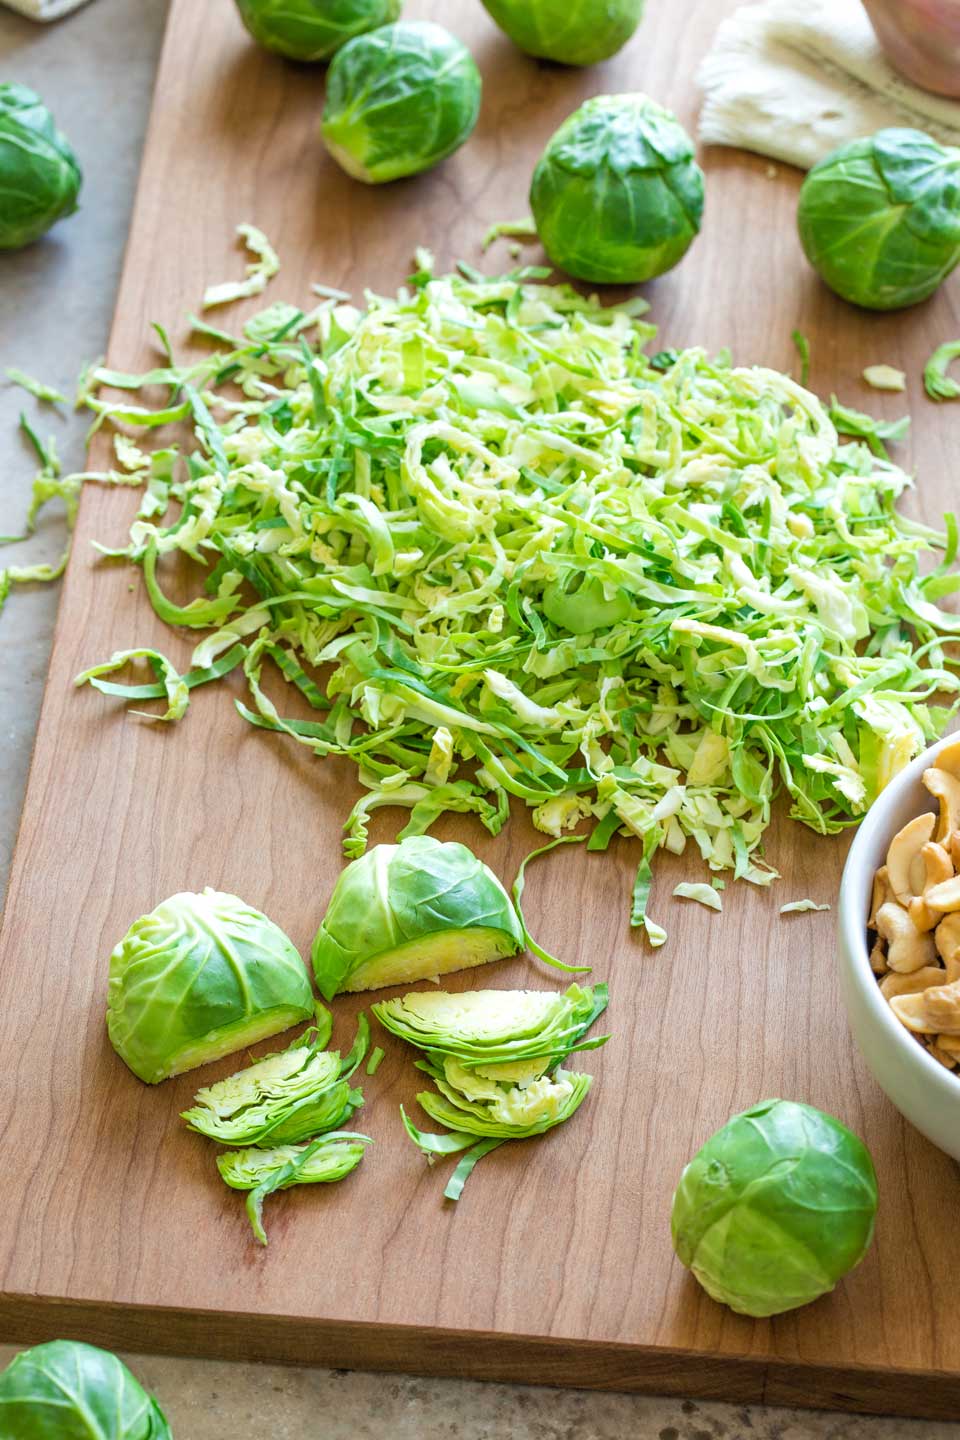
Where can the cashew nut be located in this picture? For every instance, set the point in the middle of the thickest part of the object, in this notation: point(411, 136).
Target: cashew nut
point(904, 865)
point(945, 1057)
point(910, 1010)
point(878, 956)
point(945, 896)
point(938, 867)
point(882, 892)
point(951, 1044)
point(952, 843)
point(941, 1008)
point(947, 939)
point(909, 947)
point(945, 788)
point(949, 758)
point(913, 984)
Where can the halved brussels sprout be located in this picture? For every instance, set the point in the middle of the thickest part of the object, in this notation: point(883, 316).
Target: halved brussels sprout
point(65, 1390)
point(777, 1206)
point(322, 1162)
point(570, 32)
point(495, 1031)
point(40, 178)
point(399, 100)
point(617, 196)
point(284, 1098)
point(312, 29)
point(197, 978)
point(409, 912)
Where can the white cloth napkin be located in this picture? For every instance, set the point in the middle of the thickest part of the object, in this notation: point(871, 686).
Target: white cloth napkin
point(794, 79)
point(43, 9)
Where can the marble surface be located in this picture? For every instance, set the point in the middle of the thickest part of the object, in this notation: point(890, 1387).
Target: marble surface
point(56, 301)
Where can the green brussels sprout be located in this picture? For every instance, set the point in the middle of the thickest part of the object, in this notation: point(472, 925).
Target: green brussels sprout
point(197, 978)
point(40, 178)
point(617, 196)
point(284, 1098)
point(571, 32)
point(313, 29)
point(500, 1110)
point(399, 100)
point(262, 1172)
point(68, 1391)
point(775, 1209)
point(496, 1028)
point(879, 219)
point(409, 912)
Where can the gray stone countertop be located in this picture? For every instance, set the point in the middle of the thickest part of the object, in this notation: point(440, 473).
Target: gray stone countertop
point(56, 301)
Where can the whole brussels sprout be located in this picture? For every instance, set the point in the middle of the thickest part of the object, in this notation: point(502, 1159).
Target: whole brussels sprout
point(313, 29)
point(571, 32)
point(39, 175)
point(617, 196)
point(879, 219)
point(197, 978)
point(399, 100)
point(410, 911)
point(65, 1390)
point(776, 1208)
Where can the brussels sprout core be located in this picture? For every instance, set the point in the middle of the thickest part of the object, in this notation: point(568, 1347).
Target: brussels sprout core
point(40, 178)
point(775, 1209)
point(312, 29)
point(571, 32)
point(197, 978)
point(879, 219)
point(410, 912)
point(617, 195)
point(399, 100)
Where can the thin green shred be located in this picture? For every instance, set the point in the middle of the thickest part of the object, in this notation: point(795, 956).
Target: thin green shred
point(261, 268)
point(800, 907)
point(376, 1059)
point(937, 383)
point(802, 345)
point(516, 229)
point(701, 892)
point(36, 388)
point(504, 555)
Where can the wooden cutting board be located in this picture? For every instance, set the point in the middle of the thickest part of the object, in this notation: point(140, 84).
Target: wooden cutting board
point(556, 1267)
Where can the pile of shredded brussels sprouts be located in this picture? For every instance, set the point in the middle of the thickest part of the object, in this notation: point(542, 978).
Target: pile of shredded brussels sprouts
point(503, 552)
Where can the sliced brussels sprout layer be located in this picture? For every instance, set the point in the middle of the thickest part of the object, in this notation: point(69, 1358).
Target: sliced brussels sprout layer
point(284, 1098)
point(198, 978)
point(66, 1390)
point(493, 1056)
point(324, 1161)
point(410, 912)
point(777, 1206)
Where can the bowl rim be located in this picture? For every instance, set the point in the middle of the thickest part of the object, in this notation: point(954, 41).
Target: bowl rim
point(851, 922)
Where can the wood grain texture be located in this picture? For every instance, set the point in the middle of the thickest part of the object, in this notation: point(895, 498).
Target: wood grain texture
point(556, 1266)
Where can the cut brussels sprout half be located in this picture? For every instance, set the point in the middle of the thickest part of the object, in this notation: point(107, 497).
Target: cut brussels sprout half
point(410, 912)
point(312, 29)
point(284, 1098)
point(198, 978)
point(494, 1056)
point(66, 1390)
point(570, 32)
point(777, 1206)
point(323, 1162)
point(399, 100)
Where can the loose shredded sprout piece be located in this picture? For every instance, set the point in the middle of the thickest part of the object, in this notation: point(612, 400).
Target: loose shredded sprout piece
point(376, 1059)
point(262, 268)
point(704, 894)
point(866, 427)
point(885, 377)
point(803, 350)
point(36, 388)
point(503, 554)
point(937, 383)
point(800, 907)
point(518, 229)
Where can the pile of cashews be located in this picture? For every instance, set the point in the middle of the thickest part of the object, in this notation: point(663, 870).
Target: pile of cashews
point(915, 917)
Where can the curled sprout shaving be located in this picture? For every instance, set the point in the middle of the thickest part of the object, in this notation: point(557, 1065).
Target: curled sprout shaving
point(501, 554)
point(262, 268)
point(937, 383)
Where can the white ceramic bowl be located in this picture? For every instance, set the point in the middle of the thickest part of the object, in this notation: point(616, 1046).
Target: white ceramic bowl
point(926, 1093)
